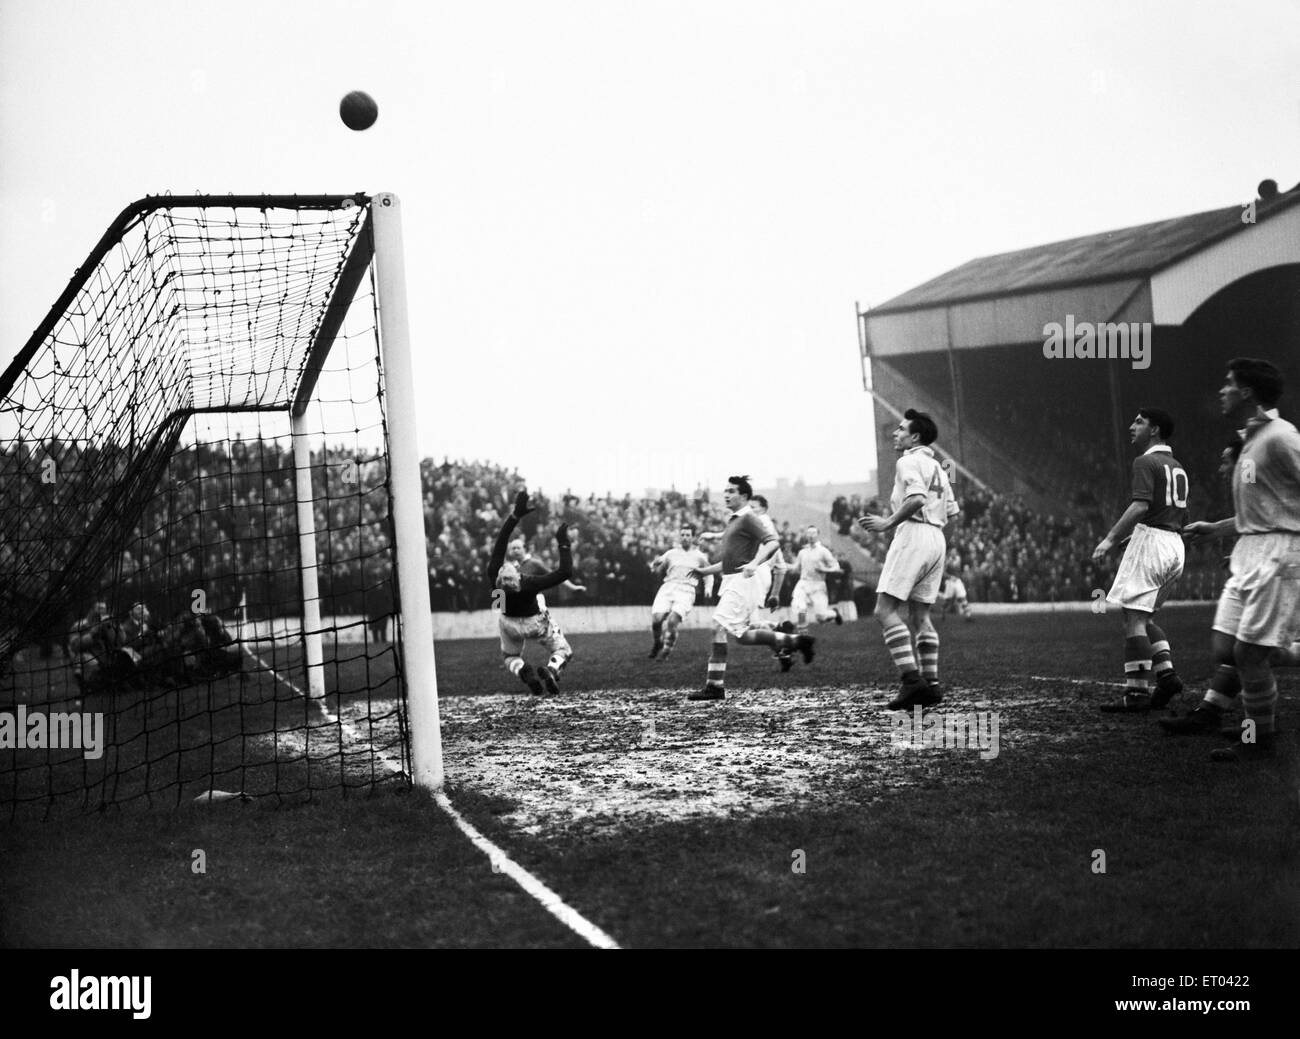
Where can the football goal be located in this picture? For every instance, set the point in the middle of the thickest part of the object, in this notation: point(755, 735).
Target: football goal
point(213, 577)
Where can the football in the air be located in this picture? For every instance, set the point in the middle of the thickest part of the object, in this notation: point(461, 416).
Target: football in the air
point(358, 110)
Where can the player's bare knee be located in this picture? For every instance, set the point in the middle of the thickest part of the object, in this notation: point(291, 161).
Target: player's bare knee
point(1135, 623)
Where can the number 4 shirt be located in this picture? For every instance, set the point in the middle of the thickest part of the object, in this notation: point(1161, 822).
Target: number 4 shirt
point(919, 472)
point(1161, 482)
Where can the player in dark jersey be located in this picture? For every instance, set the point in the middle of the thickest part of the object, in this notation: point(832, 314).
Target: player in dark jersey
point(520, 616)
point(748, 541)
point(1152, 562)
point(530, 566)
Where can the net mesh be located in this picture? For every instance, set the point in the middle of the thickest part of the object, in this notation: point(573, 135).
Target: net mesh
point(150, 567)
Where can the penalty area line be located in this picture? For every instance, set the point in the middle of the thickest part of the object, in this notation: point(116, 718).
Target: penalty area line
point(501, 862)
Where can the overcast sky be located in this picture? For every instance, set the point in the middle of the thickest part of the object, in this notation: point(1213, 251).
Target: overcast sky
point(656, 216)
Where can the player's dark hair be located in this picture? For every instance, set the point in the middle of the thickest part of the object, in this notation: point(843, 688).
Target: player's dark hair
point(760, 500)
point(1260, 376)
point(686, 526)
point(922, 424)
point(742, 485)
point(1162, 420)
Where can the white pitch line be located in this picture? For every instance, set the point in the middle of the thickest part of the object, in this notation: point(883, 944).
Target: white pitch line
point(550, 901)
point(1078, 681)
point(501, 862)
point(333, 719)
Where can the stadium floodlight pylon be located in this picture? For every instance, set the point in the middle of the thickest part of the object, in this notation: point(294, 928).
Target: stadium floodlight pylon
point(156, 448)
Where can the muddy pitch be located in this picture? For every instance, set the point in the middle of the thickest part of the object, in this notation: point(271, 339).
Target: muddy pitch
point(591, 763)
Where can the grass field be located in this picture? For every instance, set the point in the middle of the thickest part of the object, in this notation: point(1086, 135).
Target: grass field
point(668, 823)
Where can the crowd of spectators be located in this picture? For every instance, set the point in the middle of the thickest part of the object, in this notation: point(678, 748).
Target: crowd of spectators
point(224, 519)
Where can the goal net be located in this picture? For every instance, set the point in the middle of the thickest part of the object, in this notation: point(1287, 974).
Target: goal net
point(198, 562)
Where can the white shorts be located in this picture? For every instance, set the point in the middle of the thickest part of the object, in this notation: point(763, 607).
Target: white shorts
point(1152, 562)
point(1260, 604)
point(515, 630)
point(675, 598)
point(954, 590)
point(914, 564)
point(739, 598)
point(810, 596)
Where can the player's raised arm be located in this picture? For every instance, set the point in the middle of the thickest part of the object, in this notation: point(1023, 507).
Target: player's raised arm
point(503, 539)
point(499, 549)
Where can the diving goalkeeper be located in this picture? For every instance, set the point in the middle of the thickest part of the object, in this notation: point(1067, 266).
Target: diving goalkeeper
point(520, 615)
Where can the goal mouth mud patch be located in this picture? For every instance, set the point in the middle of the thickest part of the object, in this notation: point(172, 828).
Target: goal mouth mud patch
point(597, 763)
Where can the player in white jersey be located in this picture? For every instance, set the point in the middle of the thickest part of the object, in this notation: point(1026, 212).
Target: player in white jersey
point(1257, 620)
point(771, 576)
point(921, 506)
point(814, 562)
point(676, 596)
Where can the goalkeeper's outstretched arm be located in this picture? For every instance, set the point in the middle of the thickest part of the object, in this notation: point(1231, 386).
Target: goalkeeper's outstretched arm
point(541, 582)
point(499, 549)
point(503, 539)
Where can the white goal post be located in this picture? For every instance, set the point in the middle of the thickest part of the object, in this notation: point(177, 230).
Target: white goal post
point(408, 501)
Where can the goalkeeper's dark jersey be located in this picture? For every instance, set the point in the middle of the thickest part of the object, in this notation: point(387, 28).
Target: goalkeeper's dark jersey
point(523, 603)
point(1160, 480)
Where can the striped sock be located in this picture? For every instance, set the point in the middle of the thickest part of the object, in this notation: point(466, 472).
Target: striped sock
point(717, 666)
point(927, 648)
point(898, 640)
point(514, 665)
point(1137, 663)
point(1224, 687)
point(1260, 699)
point(1162, 657)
